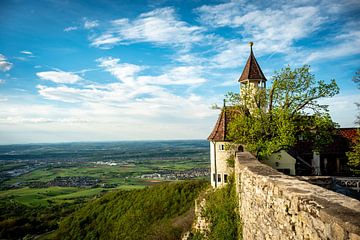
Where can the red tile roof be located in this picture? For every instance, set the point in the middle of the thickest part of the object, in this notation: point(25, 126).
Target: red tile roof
point(219, 133)
point(348, 133)
point(252, 70)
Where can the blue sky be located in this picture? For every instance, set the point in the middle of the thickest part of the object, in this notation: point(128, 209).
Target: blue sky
point(142, 70)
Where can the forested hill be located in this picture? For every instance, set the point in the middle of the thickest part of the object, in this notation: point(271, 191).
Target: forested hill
point(164, 210)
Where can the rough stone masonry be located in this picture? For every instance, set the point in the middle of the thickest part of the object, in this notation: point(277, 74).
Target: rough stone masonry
point(276, 206)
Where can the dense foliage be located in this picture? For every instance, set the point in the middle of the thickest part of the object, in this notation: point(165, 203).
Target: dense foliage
point(18, 220)
point(354, 155)
point(221, 210)
point(269, 120)
point(158, 212)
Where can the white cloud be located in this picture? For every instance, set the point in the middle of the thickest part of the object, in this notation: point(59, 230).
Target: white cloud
point(88, 24)
point(184, 75)
point(160, 26)
point(59, 76)
point(97, 121)
point(106, 40)
point(129, 74)
point(5, 65)
point(70, 94)
point(115, 99)
point(342, 45)
point(2, 81)
point(71, 28)
point(125, 72)
point(137, 104)
point(190, 59)
point(221, 15)
point(274, 29)
point(26, 52)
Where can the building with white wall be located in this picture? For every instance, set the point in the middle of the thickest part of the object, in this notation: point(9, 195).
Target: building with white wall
point(251, 80)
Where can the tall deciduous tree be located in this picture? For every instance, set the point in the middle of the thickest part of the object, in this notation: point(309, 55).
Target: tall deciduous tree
point(269, 120)
point(354, 155)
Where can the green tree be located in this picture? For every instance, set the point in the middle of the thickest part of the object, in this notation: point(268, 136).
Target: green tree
point(354, 155)
point(221, 211)
point(269, 120)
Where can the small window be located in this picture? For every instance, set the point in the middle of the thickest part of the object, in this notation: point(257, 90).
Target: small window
point(219, 177)
point(221, 147)
point(284, 170)
point(277, 164)
point(214, 177)
point(225, 178)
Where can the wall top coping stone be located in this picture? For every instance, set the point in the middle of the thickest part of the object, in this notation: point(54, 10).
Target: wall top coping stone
point(331, 206)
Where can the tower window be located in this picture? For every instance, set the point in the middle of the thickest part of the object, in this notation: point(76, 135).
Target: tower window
point(219, 177)
point(221, 147)
point(214, 177)
point(225, 178)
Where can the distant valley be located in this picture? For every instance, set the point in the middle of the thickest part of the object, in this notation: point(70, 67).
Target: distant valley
point(44, 177)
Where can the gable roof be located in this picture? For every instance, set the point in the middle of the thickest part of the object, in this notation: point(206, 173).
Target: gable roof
point(252, 70)
point(219, 133)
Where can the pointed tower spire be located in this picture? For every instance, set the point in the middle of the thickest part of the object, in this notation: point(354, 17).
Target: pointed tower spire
point(252, 70)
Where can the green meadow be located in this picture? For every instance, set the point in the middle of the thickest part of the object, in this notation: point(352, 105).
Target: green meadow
point(33, 200)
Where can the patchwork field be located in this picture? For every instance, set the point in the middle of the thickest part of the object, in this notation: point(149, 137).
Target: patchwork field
point(42, 183)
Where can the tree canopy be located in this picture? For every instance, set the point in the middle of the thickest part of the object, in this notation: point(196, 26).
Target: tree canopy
point(354, 155)
point(163, 211)
point(269, 120)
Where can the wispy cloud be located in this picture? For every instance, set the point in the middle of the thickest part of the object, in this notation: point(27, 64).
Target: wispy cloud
point(89, 24)
point(129, 74)
point(273, 29)
point(5, 65)
point(26, 52)
point(160, 26)
point(184, 75)
point(70, 28)
point(132, 96)
point(59, 76)
point(342, 45)
point(124, 72)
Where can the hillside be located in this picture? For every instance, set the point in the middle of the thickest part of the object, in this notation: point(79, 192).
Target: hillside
point(164, 211)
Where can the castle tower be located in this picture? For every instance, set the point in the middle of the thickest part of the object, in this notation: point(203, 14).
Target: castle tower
point(251, 81)
point(251, 78)
point(252, 74)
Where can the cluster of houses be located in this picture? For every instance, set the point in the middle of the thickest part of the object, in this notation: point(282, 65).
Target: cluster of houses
point(178, 175)
point(74, 181)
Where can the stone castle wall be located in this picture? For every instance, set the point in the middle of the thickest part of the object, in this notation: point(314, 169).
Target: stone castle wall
point(276, 206)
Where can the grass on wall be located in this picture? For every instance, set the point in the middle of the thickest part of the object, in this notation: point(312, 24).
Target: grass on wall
point(221, 211)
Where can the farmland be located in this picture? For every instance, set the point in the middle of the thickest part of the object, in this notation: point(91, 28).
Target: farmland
point(43, 183)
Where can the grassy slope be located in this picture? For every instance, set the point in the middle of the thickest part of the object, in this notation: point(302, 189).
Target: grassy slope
point(161, 210)
point(221, 211)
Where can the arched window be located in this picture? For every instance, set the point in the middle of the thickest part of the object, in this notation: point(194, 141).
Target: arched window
point(240, 148)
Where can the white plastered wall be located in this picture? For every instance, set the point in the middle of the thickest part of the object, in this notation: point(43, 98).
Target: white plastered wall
point(221, 163)
point(281, 160)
